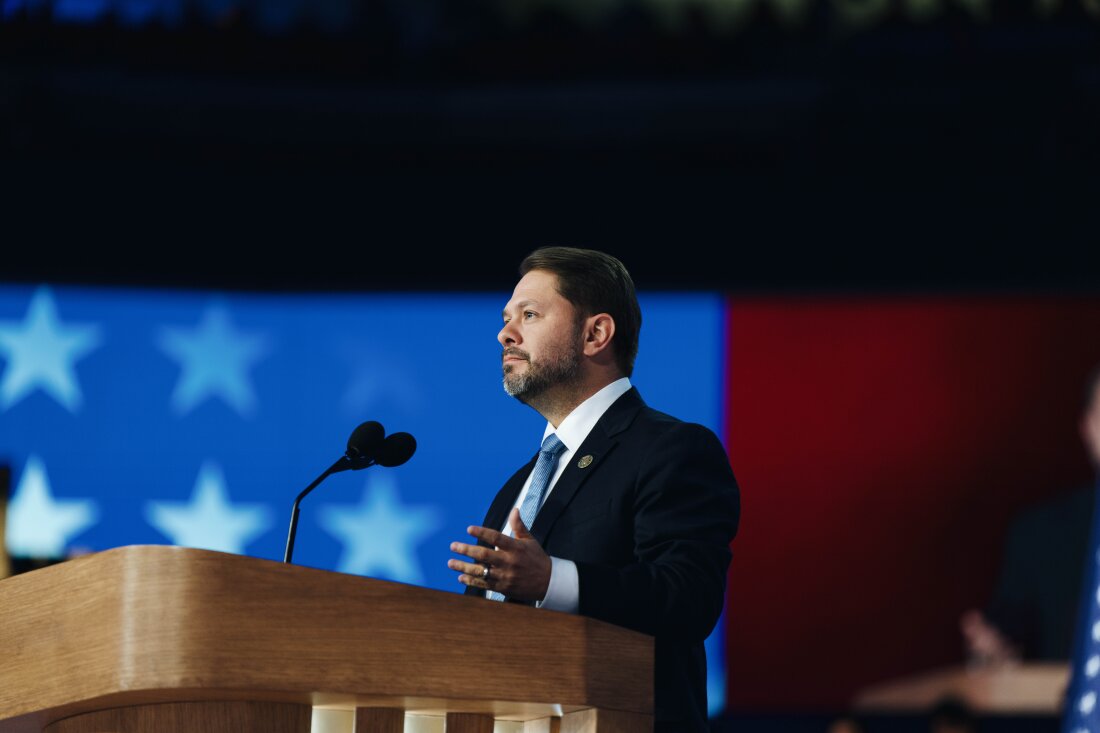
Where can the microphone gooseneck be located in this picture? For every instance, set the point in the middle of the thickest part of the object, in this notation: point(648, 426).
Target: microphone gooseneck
point(334, 468)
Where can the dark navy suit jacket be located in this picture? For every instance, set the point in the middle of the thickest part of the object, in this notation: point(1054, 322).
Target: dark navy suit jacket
point(648, 523)
point(1039, 594)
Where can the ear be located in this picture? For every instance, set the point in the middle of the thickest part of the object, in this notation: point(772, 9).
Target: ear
point(598, 332)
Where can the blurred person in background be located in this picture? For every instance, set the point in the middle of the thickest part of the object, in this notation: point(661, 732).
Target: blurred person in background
point(1033, 613)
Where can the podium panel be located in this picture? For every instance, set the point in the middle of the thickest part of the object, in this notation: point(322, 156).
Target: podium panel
point(145, 625)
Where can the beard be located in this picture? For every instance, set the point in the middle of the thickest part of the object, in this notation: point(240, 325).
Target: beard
point(560, 367)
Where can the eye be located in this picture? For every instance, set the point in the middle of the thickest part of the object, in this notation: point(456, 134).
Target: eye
point(528, 314)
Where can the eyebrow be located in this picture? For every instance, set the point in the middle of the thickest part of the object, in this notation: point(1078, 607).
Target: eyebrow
point(519, 306)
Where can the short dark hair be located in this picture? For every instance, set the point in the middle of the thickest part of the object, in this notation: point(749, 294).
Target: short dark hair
point(595, 282)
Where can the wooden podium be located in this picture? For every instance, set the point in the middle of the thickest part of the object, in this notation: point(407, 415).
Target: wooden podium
point(176, 640)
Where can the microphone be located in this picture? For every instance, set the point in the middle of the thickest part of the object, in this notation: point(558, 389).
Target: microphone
point(363, 444)
point(367, 446)
point(395, 450)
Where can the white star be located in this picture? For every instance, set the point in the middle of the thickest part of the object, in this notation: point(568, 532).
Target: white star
point(1092, 667)
point(209, 521)
point(38, 525)
point(41, 351)
point(1096, 631)
point(380, 535)
point(215, 359)
point(1088, 702)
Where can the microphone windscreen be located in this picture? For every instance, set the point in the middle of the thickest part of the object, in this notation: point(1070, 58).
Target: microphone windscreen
point(396, 449)
point(365, 440)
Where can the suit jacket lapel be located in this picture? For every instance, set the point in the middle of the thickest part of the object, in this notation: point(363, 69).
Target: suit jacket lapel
point(598, 444)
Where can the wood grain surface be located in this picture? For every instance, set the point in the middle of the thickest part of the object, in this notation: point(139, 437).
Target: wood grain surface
point(140, 625)
point(379, 720)
point(469, 723)
point(208, 717)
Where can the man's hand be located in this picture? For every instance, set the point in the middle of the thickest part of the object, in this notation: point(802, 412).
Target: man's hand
point(518, 567)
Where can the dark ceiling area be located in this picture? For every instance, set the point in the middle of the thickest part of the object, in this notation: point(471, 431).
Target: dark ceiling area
point(432, 145)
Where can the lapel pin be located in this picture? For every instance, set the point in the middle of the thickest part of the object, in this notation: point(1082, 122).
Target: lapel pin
point(585, 462)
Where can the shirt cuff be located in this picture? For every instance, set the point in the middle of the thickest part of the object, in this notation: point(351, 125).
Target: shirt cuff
point(564, 591)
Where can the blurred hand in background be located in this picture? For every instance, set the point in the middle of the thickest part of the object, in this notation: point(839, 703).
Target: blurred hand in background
point(986, 646)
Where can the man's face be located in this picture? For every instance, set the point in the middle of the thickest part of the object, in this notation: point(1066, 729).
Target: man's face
point(541, 337)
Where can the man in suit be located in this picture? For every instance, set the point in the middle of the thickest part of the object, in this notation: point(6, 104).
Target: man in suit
point(625, 514)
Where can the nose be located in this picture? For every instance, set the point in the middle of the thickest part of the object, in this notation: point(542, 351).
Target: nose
point(508, 335)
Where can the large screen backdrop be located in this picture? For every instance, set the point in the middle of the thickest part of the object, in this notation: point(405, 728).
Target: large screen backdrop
point(883, 445)
point(195, 418)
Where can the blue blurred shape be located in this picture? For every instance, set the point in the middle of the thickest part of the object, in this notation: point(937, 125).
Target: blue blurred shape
point(218, 12)
point(81, 11)
point(278, 16)
point(138, 13)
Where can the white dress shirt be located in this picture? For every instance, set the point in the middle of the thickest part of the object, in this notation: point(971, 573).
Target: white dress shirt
point(564, 591)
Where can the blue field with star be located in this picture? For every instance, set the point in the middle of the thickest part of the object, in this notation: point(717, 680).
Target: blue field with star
point(195, 418)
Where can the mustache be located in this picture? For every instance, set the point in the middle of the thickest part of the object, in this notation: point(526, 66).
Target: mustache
point(513, 351)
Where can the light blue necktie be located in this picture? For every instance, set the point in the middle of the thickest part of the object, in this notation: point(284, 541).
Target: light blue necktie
point(536, 492)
